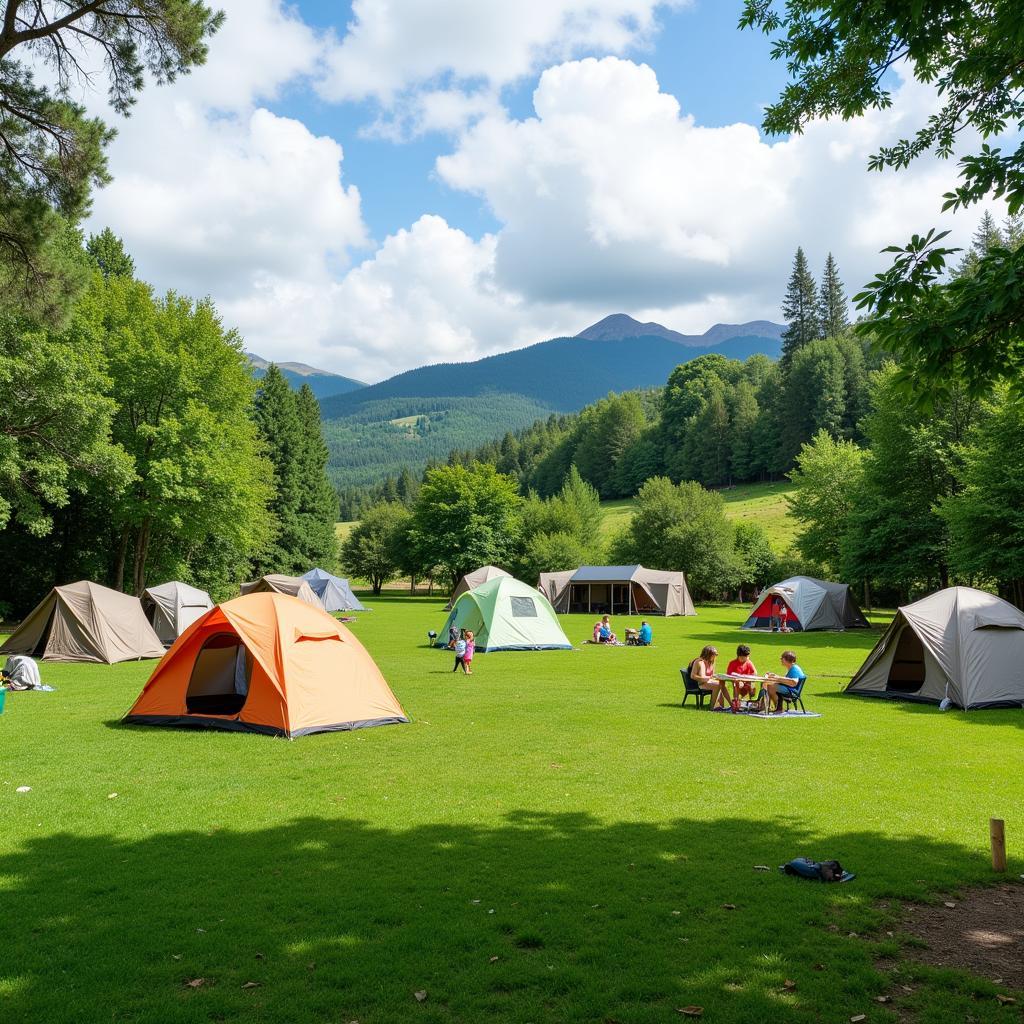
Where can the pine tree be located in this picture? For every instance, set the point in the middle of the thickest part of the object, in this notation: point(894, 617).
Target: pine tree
point(318, 502)
point(277, 419)
point(800, 308)
point(985, 237)
point(832, 314)
point(108, 252)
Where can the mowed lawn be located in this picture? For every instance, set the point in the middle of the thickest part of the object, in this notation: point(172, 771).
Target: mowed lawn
point(551, 840)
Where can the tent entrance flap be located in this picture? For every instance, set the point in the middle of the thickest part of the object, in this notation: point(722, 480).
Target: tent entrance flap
point(907, 671)
point(219, 684)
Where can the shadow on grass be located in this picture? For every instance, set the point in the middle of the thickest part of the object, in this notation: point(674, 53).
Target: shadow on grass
point(545, 917)
point(991, 716)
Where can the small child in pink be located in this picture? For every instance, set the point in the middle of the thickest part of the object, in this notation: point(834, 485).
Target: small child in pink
point(467, 660)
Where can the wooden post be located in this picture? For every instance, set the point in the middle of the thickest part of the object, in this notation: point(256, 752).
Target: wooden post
point(997, 835)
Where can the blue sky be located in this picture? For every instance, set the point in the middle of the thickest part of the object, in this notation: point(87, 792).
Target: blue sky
point(377, 185)
point(720, 74)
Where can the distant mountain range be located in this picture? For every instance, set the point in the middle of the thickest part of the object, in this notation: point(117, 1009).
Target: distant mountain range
point(619, 326)
point(423, 414)
point(322, 382)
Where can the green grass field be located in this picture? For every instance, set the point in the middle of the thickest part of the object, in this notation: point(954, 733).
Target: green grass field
point(551, 840)
point(761, 503)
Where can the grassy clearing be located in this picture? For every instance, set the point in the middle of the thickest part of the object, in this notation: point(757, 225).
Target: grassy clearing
point(553, 840)
point(342, 530)
point(761, 503)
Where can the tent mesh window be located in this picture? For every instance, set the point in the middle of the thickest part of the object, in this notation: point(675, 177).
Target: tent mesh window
point(219, 684)
point(523, 608)
point(906, 673)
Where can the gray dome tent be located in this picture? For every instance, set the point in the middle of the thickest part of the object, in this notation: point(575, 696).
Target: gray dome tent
point(173, 607)
point(812, 604)
point(617, 590)
point(334, 592)
point(959, 643)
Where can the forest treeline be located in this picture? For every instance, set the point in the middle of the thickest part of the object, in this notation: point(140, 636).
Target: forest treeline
point(137, 447)
point(894, 496)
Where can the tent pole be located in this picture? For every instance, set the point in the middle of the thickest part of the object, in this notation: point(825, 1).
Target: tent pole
point(590, 598)
point(629, 599)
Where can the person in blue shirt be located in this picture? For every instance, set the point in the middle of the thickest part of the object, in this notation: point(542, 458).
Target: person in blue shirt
point(784, 686)
point(646, 634)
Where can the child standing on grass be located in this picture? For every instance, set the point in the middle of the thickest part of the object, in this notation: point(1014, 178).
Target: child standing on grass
point(467, 660)
point(460, 652)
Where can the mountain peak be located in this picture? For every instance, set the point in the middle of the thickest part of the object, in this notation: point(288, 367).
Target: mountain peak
point(324, 383)
point(619, 326)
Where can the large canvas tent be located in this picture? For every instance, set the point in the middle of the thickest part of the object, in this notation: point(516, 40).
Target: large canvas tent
point(618, 590)
point(267, 663)
point(474, 579)
point(960, 643)
point(172, 607)
point(507, 615)
point(291, 586)
point(85, 622)
point(812, 604)
point(334, 592)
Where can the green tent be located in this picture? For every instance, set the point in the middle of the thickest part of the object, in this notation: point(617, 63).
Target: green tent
point(506, 614)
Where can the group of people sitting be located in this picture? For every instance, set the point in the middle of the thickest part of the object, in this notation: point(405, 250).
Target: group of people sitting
point(776, 687)
point(642, 637)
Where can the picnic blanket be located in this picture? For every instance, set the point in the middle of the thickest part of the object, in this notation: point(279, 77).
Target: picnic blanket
point(785, 714)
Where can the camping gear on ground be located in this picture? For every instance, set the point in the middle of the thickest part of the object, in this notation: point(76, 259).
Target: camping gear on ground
point(267, 663)
point(173, 607)
point(334, 592)
point(474, 579)
point(506, 614)
point(85, 622)
point(21, 673)
point(818, 871)
point(617, 590)
point(811, 604)
point(292, 586)
point(959, 644)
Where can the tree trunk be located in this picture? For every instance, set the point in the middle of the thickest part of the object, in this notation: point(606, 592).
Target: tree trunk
point(867, 596)
point(412, 584)
point(141, 554)
point(122, 555)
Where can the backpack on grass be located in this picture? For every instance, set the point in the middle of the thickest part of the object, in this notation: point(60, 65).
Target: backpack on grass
point(818, 871)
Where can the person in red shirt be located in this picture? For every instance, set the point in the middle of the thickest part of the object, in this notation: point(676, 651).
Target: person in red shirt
point(741, 665)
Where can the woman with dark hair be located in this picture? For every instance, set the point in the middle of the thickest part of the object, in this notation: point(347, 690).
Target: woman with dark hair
point(702, 672)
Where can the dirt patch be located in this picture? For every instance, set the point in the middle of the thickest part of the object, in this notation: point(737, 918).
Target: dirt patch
point(982, 932)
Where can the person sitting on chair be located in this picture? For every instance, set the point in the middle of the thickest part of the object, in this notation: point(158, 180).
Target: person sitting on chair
point(702, 672)
point(646, 635)
point(784, 686)
point(741, 665)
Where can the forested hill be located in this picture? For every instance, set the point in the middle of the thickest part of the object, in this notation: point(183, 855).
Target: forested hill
point(322, 382)
point(563, 375)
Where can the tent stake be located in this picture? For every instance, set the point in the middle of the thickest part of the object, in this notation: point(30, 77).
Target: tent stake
point(997, 835)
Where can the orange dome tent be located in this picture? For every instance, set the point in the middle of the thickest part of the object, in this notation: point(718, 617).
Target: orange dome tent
point(267, 663)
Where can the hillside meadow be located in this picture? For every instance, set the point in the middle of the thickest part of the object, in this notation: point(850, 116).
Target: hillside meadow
point(553, 839)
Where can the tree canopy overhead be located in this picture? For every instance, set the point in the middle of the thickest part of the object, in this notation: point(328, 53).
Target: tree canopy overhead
point(839, 54)
point(51, 152)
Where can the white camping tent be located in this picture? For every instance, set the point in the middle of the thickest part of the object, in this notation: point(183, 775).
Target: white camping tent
point(173, 607)
point(961, 644)
point(474, 579)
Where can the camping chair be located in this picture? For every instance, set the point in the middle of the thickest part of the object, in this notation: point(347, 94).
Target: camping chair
point(795, 697)
point(692, 688)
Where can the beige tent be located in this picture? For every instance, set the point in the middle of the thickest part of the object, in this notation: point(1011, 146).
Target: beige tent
point(961, 644)
point(553, 584)
point(474, 579)
point(86, 622)
point(293, 586)
point(173, 607)
point(617, 590)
